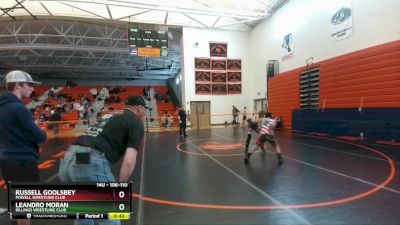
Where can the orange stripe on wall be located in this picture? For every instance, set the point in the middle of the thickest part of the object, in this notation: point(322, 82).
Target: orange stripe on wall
point(370, 76)
point(365, 105)
point(362, 93)
point(364, 53)
point(367, 60)
point(359, 87)
point(359, 78)
point(283, 95)
point(361, 67)
point(370, 99)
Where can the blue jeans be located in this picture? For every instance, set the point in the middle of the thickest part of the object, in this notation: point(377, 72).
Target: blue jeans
point(97, 171)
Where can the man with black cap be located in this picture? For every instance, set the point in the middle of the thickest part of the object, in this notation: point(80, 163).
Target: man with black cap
point(111, 138)
point(19, 135)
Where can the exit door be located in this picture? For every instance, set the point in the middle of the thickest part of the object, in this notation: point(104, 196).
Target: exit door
point(200, 115)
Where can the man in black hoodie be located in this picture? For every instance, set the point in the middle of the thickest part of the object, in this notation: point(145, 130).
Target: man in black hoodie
point(19, 135)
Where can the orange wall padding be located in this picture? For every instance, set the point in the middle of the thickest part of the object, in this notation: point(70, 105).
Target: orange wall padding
point(284, 96)
point(367, 78)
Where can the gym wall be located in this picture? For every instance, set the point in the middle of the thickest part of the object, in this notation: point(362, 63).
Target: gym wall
point(368, 78)
point(283, 92)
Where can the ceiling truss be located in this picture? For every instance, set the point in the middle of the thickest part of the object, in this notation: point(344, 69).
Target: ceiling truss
point(75, 49)
point(224, 14)
point(87, 39)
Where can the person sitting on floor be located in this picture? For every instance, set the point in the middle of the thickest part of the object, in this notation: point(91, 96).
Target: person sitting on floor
point(164, 121)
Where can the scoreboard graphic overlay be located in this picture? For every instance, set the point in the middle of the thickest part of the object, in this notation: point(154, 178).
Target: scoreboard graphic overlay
point(70, 201)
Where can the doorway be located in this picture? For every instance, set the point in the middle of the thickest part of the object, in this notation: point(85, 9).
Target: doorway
point(260, 104)
point(200, 115)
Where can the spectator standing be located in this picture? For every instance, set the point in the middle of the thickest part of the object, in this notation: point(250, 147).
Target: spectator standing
point(19, 135)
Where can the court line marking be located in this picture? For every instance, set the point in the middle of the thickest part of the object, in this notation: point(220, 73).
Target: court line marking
point(56, 174)
point(263, 193)
point(338, 173)
point(52, 178)
point(298, 206)
point(332, 171)
point(335, 150)
point(213, 154)
point(340, 201)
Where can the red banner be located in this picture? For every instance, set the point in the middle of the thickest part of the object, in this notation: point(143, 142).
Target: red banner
point(219, 89)
point(234, 64)
point(234, 76)
point(203, 89)
point(202, 63)
point(203, 76)
point(234, 88)
point(218, 64)
point(218, 49)
point(219, 77)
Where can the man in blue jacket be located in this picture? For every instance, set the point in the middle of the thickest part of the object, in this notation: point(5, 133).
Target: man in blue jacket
point(19, 135)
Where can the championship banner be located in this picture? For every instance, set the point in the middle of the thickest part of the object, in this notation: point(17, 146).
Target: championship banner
point(218, 49)
point(342, 20)
point(219, 77)
point(234, 88)
point(218, 64)
point(204, 89)
point(149, 52)
point(287, 47)
point(234, 64)
point(202, 63)
point(203, 76)
point(219, 89)
point(234, 76)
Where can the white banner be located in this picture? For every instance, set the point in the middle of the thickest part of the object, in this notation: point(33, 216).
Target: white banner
point(342, 20)
point(287, 47)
